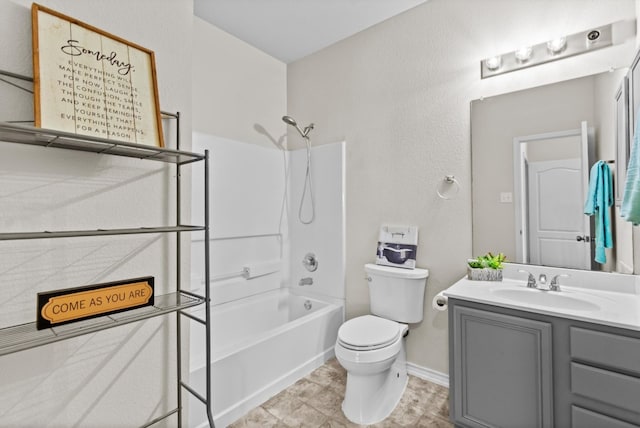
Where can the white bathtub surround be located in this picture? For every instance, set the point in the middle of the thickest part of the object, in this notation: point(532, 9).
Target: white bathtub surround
point(228, 259)
point(248, 217)
point(251, 189)
point(248, 185)
point(324, 237)
point(263, 337)
point(255, 270)
point(261, 344)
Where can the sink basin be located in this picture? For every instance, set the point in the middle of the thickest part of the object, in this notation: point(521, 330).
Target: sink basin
point(553, 299)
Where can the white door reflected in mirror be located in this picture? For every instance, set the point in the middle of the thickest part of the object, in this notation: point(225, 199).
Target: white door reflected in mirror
point(550, 178)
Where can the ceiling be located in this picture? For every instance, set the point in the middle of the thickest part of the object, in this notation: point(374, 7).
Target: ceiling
point(292, 29)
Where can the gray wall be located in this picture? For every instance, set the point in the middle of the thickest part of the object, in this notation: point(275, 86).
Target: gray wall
point(236, 87)
point(399, 94)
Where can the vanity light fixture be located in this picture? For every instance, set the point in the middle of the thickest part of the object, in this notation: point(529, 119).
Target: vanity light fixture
point(552, 50)
point(557, 45)
point(493, 63)
point(523, 54)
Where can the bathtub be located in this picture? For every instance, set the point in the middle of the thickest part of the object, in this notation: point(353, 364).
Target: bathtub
point(260, 345)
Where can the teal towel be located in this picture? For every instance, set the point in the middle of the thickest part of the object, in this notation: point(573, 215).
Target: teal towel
point(599, 201)
point(630, 208)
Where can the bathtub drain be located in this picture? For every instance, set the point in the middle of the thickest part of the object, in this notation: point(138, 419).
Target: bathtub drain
point(307, 304)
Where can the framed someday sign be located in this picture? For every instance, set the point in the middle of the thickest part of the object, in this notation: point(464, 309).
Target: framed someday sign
point(90, 82)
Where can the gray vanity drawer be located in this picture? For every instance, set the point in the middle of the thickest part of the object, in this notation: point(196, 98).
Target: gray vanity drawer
point(610, 350)
point(582, 418)
point(608, 387)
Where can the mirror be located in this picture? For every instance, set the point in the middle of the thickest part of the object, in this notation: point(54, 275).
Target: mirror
point(531, 153)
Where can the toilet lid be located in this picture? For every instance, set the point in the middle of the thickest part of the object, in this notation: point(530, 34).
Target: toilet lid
point(368, 332)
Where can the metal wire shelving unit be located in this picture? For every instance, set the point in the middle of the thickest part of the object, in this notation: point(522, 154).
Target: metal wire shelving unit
point(25, 336)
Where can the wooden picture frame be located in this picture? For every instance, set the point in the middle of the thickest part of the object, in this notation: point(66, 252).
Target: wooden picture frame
point(93, 83)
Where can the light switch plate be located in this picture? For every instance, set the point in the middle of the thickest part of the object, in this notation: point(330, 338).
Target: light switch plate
point(506, 197)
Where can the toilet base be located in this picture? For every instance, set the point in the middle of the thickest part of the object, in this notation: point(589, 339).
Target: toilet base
point(371, 398)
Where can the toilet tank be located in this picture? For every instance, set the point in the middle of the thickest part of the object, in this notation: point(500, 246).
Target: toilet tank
point(395, 293)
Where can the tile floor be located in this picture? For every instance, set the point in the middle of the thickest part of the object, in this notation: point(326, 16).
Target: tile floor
point(315, 402)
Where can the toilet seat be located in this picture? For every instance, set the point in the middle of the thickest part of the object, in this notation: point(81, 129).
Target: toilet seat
point(368, 333)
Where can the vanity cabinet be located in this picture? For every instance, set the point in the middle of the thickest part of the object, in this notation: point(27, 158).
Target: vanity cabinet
point(503, 370)
point(511, 368)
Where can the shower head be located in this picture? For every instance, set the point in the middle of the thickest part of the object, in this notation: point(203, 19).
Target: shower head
point(291, 121)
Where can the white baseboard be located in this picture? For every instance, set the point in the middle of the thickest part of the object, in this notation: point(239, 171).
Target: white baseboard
point(428, 374)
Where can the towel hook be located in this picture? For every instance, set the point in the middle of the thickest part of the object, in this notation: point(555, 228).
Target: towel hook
point(448, 180)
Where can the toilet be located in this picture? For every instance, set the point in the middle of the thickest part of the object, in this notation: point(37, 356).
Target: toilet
point(371, 348)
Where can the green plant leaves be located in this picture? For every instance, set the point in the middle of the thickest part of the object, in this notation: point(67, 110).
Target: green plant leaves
point(488, 261)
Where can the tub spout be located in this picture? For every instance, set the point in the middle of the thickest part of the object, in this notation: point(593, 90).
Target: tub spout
point(306, 281)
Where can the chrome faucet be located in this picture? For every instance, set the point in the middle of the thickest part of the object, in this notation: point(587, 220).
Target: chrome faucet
point(306, 281)
point(531, 280)
point(555, 286)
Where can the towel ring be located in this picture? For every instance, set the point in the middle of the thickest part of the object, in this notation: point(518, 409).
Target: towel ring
point(448, 180)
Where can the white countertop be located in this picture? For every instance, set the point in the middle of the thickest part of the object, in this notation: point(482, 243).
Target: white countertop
point(619, 308)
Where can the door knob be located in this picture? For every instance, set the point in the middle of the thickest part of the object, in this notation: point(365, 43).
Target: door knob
point(585, 238)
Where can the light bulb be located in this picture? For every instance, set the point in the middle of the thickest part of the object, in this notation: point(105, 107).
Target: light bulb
point(493, 63)
point(557, 45)
point(523, 54)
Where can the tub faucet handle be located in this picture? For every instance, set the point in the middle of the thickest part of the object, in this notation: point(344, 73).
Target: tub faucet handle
point(310, 262)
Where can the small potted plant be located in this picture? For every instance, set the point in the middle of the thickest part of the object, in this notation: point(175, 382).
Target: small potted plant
point(486, 268)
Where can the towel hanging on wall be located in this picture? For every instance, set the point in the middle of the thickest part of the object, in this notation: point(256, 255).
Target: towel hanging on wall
point(630, 208)
point(599, 201)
